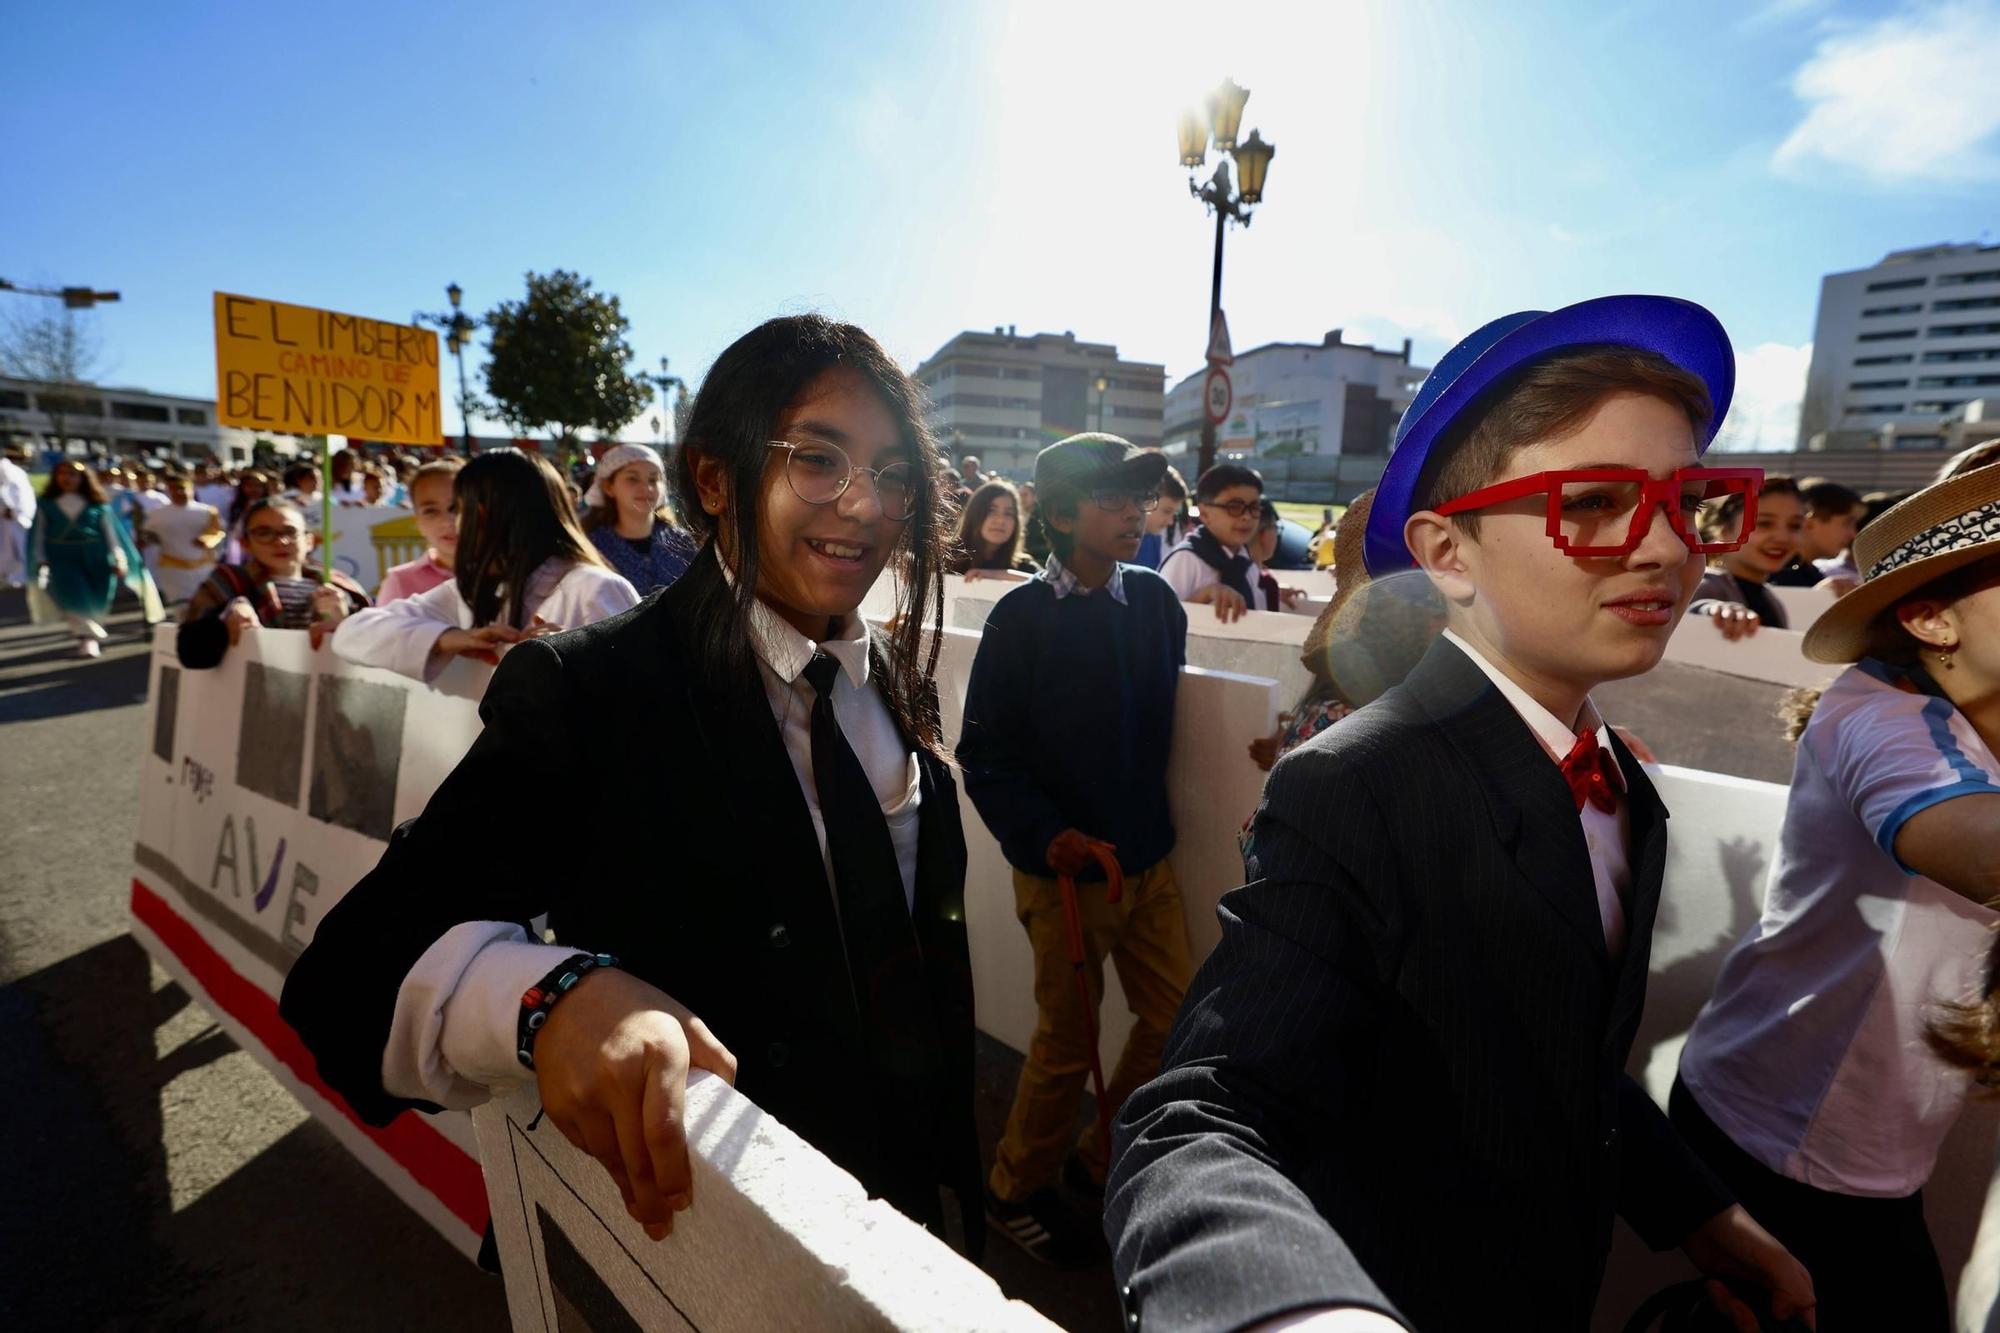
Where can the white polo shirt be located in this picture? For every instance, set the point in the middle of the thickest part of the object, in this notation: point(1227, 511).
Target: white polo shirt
point(1811, 1054)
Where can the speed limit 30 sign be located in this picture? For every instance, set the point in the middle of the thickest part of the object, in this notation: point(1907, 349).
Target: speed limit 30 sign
point(1217, 394)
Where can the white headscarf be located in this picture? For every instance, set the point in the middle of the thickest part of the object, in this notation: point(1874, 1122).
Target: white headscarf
point(617, 456)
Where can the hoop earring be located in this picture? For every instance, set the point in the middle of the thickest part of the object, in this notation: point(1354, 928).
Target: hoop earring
point(1944, 655)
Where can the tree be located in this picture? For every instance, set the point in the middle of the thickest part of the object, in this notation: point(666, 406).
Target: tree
point(56, 348)
point(559, 359)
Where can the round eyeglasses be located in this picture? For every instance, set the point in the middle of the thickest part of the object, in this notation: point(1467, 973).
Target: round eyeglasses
point(1113, 501)
point(820, 473)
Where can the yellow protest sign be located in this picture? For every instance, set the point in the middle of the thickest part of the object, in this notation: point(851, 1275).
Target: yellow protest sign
point(304, 371)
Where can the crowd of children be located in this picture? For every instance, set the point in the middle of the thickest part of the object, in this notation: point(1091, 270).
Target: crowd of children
point(1395, 1093)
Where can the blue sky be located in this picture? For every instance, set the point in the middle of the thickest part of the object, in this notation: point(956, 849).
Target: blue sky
point(924, 168)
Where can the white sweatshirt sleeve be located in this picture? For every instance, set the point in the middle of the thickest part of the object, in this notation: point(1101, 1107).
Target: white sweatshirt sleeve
point(401, 635)
point(1185, 572)
point(586, 595)
point(458, 1012)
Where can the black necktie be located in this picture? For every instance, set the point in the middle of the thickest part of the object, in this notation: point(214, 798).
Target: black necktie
point(885, 964)
point(883, 958)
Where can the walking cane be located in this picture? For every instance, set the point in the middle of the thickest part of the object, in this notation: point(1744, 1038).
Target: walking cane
point(1107, 857)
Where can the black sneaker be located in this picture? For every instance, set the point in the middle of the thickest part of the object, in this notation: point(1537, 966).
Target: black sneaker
point(1046, 1227)
point(1077, 1180)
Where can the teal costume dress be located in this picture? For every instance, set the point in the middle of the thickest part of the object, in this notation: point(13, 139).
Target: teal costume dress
point(78, 551)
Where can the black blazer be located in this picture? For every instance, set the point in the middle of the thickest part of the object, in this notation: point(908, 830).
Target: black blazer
point(1398, 1081)
point(692, 857)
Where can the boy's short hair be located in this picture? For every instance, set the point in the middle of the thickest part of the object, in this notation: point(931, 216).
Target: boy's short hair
point(1223, 477)
point(1267, 515)
point(1547, 401)
point(1824, 499)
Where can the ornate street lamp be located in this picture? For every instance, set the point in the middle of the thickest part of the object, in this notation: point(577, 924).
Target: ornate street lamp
point(458, 328)
point(1253, 161)
point(1101, 383)
point(665, 382)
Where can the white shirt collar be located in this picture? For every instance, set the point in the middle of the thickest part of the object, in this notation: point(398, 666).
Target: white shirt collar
point(782, 648)
point(1556, 738)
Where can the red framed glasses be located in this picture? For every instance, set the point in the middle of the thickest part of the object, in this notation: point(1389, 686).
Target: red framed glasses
point(1608, 511)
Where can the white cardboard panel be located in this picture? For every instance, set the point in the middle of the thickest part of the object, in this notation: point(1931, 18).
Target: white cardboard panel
point(777, 1237)
point(1774, 655)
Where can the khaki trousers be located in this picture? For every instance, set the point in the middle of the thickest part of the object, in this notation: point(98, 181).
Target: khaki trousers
point(1145, 936)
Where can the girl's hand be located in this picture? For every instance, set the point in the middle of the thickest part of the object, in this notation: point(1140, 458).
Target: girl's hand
point(540, 629)
point(1735, 622)
point(1732, 1245)
point(238, 616)
point(482, 644)
point(612, 1067)
point(1291, 596)
point(329, 608)
point(1228, 603)
point(1264, 752)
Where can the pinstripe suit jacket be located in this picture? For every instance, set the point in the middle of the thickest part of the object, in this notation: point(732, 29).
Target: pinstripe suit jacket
point(1398, 1080)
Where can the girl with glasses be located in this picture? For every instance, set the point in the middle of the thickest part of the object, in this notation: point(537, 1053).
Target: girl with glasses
point(793, 917)
point(274, 586)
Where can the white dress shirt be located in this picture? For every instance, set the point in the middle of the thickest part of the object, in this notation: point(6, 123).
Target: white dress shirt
point(401, 635)
point(1607, 833)
point(457, 1011)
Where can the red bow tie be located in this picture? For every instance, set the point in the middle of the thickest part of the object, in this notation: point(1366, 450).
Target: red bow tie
point(1592, 773)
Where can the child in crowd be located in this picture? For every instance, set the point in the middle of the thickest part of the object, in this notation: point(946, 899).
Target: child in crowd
point(1068, 725)
point(1395, 1096)
point(1733, 592)
point(431, 489)
point(346, 481)
point(1812, 1082)
point(302, 489)
point(275, 587)
point(1213, 566)
point(1263, 549)
point(826, 945)
point(80, 552)
point(1035, 538)
point(522, 570)
point(250, 488)
point(184, 535)
point(374, 489)
point(1832, 517)
point(626, 517)
point(1166, 526)
point(1370, 636)
point(988, 544)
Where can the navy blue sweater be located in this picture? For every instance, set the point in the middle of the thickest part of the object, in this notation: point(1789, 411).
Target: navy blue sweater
point(1069, 719)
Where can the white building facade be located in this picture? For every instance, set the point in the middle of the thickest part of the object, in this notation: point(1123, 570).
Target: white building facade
point(84, 418)
point(1901, 349)
point(1301, 399)
point(1004, 396)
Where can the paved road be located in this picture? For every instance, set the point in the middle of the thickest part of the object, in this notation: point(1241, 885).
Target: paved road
point(158, 1177)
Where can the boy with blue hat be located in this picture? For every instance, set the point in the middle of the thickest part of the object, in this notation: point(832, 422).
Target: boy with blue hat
point(1395, 1095)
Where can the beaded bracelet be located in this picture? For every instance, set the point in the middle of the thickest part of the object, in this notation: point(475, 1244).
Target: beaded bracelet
point(540, 998)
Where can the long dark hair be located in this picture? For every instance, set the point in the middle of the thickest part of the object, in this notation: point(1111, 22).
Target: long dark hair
point(970, 548)
point(91, 489)
point(735, 417)
point(513, 514)
point(239, 504)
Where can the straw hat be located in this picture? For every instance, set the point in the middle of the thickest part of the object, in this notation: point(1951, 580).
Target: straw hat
point(1939, 529)
point(1349, 572)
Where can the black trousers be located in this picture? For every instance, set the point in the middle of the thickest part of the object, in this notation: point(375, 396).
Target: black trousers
point(1872, 1262)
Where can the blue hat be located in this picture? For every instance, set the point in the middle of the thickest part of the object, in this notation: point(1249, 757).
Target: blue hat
point(1682, 332)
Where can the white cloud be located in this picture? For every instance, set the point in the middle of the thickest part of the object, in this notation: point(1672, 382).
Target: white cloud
point(1909, 98)
point(1770, 384)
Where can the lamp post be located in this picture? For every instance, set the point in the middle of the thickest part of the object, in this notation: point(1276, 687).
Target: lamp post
point(458, 329)
point(1224, 116)
point(73, 298)
point(1101, 383)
